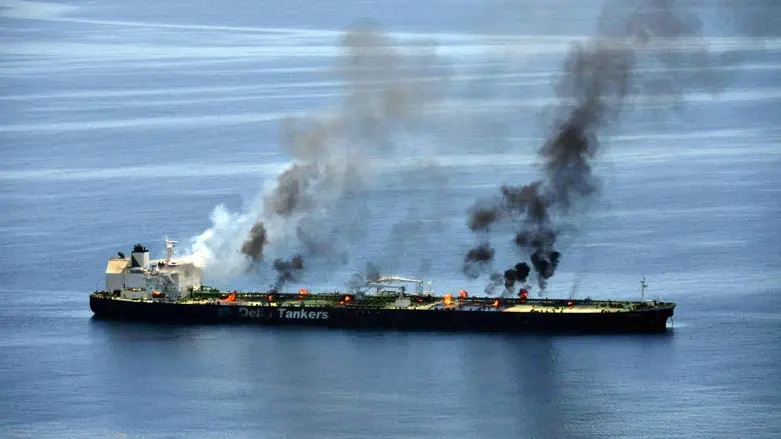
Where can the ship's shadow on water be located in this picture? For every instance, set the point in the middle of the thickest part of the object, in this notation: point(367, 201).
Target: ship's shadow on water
point(132, 322)
point(123, 328)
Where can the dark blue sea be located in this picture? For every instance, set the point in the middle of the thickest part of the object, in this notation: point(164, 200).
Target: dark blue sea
point(129, 121)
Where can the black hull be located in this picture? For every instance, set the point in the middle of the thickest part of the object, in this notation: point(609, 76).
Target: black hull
point(646, 320)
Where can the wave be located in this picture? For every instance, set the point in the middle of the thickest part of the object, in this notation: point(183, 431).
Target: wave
point(147, 122)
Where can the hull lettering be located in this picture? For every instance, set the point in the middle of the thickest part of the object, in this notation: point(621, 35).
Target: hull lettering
point(285, 314)
point(302, 314)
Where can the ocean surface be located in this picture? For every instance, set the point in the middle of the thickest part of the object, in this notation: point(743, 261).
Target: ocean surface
point(128, 121)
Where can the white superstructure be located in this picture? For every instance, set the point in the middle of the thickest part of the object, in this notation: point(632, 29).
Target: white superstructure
point(138, 277)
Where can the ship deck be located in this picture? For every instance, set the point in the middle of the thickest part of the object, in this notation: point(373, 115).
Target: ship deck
point(415, 303)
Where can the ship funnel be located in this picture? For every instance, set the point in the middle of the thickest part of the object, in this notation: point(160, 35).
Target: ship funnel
point(139, 257)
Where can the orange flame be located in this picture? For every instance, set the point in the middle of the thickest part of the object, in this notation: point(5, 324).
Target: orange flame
point(448, 299)
point(463, 294)
point(570, 303)
point(524, 295)
point(496, 303)
point(231, 297)
point(303, 291)
point(347, 298)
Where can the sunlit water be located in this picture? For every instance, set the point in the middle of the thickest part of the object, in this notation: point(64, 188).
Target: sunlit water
point(123, 122)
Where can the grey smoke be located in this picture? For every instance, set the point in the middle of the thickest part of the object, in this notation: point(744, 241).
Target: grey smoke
point(495, 283)
point(291, 191)
point(370, 274)
point(420, 197)
point(386, 91)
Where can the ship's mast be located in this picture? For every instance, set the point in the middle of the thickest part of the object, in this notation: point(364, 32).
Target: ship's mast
point(643, 285)
point(170, 248)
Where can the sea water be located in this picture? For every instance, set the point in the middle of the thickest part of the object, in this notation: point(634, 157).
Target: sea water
point(124, 122)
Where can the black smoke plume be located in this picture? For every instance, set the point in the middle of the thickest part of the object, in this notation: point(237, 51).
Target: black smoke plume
point(287, 270)
point(256, 240)
point(477, 259)
point(519, 274)
point(599, 77)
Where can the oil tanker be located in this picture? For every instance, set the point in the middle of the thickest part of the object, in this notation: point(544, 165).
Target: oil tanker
point(170, 290)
